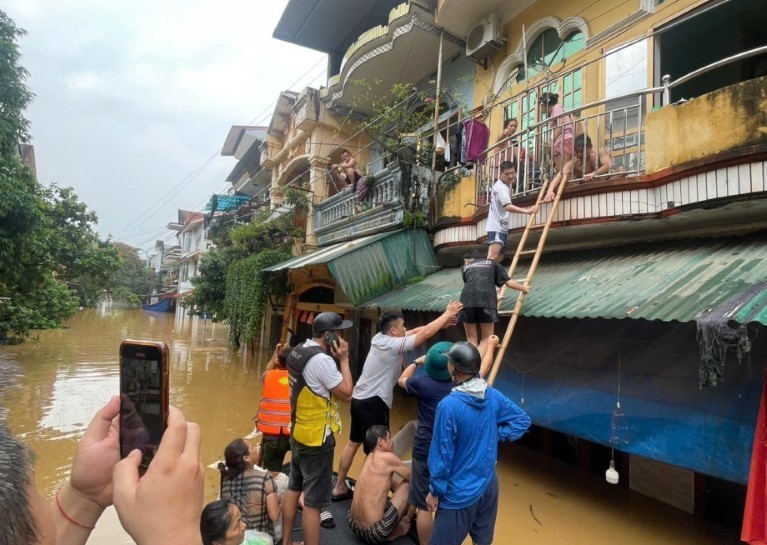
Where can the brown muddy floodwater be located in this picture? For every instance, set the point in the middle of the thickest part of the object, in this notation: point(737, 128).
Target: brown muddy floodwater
point(65, 376)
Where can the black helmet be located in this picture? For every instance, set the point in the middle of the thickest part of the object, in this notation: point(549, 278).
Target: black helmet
point(465, 358)
point(328, 321)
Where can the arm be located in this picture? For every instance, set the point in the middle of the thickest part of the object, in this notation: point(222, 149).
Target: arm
point(489, 357)
point(512, 421)
point(86, 494)
point(272, 500)
point(273, 361)
point(426, 332)
point(396, 465)
point(605, 161)
point(342, 391)
point(441, 455)
point(527, 210)
point(561, 177)
point(409, 372)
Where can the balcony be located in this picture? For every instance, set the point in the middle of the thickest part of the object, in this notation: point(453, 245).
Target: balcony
point(404, 50)
point(674, 171)
point(343, 217)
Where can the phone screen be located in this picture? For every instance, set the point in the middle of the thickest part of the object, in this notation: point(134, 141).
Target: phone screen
point(143, 399)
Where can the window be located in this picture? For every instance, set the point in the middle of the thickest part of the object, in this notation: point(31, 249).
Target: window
point(625, 72)
point(548, 49)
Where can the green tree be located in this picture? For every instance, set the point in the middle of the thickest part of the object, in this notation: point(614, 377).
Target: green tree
point(132, 280)
point(15, 96)
point(48, 247)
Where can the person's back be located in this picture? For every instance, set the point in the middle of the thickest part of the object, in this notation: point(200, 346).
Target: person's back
point(248, 491)
point(252, 490)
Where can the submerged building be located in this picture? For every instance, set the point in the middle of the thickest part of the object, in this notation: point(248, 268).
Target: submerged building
point(644, 329)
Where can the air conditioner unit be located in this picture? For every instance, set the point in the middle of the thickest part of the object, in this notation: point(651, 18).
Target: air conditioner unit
point(484, 38)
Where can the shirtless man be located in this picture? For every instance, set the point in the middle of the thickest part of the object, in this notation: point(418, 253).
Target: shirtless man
point(347, 169)
point(597, 163)
point(374, 517)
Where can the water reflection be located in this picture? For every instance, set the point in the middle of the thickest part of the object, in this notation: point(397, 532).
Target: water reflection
point(64, 378)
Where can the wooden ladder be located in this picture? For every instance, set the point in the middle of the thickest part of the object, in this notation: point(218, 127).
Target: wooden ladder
point(536, 253)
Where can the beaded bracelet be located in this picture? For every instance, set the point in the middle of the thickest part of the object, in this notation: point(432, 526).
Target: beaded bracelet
point(70, 519)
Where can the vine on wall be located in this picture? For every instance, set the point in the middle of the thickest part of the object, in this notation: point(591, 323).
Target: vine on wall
point(247, 292)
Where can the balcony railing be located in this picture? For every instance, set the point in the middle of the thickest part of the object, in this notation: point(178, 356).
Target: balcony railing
point(619, 132)
point(385, 192)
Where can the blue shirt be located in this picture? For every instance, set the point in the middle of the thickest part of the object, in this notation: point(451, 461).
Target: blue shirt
point(429, 393)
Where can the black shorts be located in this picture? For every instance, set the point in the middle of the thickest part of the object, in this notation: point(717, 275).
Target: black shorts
point(365, 413)
point(478, 315)
point(419, 484)
point(311, 472)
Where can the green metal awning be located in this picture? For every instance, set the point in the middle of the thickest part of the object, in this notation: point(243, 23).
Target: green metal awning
point(681, 280)
point(371, 266)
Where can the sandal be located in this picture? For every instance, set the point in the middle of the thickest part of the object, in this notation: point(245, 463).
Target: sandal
point(326, 520)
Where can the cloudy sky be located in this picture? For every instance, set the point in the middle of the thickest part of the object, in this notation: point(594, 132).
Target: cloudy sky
point(134, 98)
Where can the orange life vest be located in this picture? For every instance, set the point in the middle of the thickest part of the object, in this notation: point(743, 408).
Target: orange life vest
point(274, 412)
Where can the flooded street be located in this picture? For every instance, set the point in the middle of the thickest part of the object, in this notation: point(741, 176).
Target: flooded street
point(64, 377)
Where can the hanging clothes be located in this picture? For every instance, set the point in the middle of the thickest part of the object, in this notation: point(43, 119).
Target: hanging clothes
point(442, 148)
point(476, 137)
point(455, 146)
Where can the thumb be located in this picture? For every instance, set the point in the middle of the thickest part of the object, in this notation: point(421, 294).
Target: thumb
point(125, 475)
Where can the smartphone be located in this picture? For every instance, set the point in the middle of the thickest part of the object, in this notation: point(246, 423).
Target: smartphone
point(143, 397)
point(330, 339)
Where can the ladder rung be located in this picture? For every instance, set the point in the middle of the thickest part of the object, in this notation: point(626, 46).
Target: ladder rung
point(537, 226)
point(505, 312)
point(528, 252)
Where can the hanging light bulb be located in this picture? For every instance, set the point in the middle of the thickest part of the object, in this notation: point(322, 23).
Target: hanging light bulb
point(611, 475)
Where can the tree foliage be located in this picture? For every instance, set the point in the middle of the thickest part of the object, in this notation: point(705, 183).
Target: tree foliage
point(248, 290)
point(51, 260)
point(15, 96)
point(131, 280)
point(230, 284)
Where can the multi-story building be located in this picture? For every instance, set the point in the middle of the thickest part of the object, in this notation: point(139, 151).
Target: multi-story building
point(642, 330)
point(190, 232)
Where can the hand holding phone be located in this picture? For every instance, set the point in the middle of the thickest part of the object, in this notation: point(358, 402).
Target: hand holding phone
point(143, 397)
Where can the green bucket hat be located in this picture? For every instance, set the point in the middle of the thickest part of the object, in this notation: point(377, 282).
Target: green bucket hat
point(436, 361)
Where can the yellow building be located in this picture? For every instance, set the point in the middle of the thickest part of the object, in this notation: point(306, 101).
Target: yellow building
point(651, 289)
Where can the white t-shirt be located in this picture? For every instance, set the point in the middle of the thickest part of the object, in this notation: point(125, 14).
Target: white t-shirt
point(498, 216)
point(383, 366)
point(321, 374)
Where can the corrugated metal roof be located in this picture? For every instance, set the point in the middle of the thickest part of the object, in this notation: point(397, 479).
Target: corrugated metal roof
point(373, 265)
point(682, 280)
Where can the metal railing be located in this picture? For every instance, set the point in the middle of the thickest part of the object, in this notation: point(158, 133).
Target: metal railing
point(385, 190)
point(619, 131)
point(536, 153)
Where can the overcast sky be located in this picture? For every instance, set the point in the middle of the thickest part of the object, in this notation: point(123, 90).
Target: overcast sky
point(134, 96)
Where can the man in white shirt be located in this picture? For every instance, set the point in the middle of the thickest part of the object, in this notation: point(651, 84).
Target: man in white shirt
point(373, 393)
point(500, 208)
point(315, 386)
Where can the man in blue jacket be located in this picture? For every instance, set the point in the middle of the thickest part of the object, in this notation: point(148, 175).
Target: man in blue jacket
point(470, 421)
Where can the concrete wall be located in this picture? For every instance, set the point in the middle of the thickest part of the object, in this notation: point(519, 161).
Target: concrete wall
point(729, 118)
point(452, 203)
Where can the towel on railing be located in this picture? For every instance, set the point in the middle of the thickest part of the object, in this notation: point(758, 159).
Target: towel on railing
point(362, 188)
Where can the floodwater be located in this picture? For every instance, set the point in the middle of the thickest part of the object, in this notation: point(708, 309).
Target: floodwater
point(66, 375)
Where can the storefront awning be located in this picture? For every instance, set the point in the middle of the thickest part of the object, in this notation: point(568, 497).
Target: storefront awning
point(673, 281)
point(371, 266)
